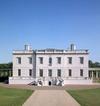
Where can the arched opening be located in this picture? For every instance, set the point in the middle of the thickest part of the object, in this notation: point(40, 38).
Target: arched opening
point(49, 83)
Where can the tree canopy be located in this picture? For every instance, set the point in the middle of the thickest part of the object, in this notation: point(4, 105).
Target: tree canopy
point(94, 64)
point(6, 65)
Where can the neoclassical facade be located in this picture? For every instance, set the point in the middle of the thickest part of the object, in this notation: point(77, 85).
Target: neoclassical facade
point(50, 66)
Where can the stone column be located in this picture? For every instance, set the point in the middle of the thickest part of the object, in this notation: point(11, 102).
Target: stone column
point(96, 74)
point(92, 74)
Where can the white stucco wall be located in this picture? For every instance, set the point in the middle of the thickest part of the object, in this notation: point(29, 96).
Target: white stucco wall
point(36, 66)
point(24, 66)
point(64, 66)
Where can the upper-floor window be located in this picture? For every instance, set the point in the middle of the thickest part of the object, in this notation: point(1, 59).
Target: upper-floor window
point(59, 73)
point(30, 72)
point(50, 61)
point(41, 60)
point(59, 60)
point(70, 60)
point(41, 72)
point(50, 73)
point(82, 60)
point(81, 72)
point(30, 60)
point(70, 72)
point(19, 60)
point(19, 72)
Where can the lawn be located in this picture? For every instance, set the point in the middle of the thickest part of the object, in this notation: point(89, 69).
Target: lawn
point(90, 97)
point(13, 97)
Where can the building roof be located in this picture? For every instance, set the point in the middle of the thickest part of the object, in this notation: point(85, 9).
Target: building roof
point(71, 50)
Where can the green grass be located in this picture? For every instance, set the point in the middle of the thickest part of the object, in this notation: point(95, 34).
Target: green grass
point(13, 97)
point(90, 97)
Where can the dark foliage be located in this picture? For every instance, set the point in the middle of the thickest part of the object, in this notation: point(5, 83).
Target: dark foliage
point(6, 65)
point(94, 64)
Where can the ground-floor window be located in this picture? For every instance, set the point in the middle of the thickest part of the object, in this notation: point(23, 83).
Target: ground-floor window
point(19, 72)
point(30, 72)
point(50, 73)
point(70, 72)
point(81, 72)
point(41, 72)
point(59, 73)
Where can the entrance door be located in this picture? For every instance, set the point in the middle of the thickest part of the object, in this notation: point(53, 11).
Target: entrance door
point(49, 83)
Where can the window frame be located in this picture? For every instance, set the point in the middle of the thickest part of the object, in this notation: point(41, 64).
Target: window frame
point(50, 61)
point(59, 75)
point(41, 60)
point(30, 60)
point(19, 72)
point(81, 72)
point(19, 60)
point(70, 72)
point(49, 72)
point(81, 60)
point(40, 72)
point(59, 60)
point(30, 72)
point(69, 60)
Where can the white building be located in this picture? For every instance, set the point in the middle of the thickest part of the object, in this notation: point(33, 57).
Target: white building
point(50, 66)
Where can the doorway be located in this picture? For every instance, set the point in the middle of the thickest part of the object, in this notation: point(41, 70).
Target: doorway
point(49, 83)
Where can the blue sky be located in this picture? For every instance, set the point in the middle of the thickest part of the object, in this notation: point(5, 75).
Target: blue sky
point(49, 24)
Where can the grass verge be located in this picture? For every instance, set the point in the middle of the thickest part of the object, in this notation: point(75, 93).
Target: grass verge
point(13, 97)
point(90, 97)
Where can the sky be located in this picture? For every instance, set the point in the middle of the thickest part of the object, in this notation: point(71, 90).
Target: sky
point(49, 24)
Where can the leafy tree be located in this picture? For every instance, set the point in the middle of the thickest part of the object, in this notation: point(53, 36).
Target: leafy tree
point(6, 65)
point(5, 69)
point(94, 64)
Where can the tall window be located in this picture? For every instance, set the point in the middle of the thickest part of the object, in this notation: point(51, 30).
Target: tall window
point(81, 72)
point(30, 60)
point(59, 60)
point(30, 72)
point(70, 60)
point(50, 61)
point(19, 60)
point(82, 60)
point(59, 72)
point(50, 73)
point(70, 72)
point(19, 72)
point(41, 72)
point(41, 60)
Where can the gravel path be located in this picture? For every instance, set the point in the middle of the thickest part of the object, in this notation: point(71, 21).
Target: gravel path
point(50, 98)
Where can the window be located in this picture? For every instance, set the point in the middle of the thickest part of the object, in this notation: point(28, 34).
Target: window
point(19, 72)
point(59, 73)
point(50, 61)
point(59, 60)
point(50, 73)
point(30, 60)
point(70, 72)
point(41, 60)
point(30, 72)
point(81, 60)
point(19, 60)
point(41, 72)
point(70, 60)
point(81, 72)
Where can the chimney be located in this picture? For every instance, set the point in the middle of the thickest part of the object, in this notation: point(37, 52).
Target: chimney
point(72, 47)
point(27, 47)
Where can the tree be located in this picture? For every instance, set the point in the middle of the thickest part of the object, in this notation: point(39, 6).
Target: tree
point(94, 64)
point(6, 69)
point(6, 65)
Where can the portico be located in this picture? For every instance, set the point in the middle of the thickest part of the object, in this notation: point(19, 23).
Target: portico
point(94, 72)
